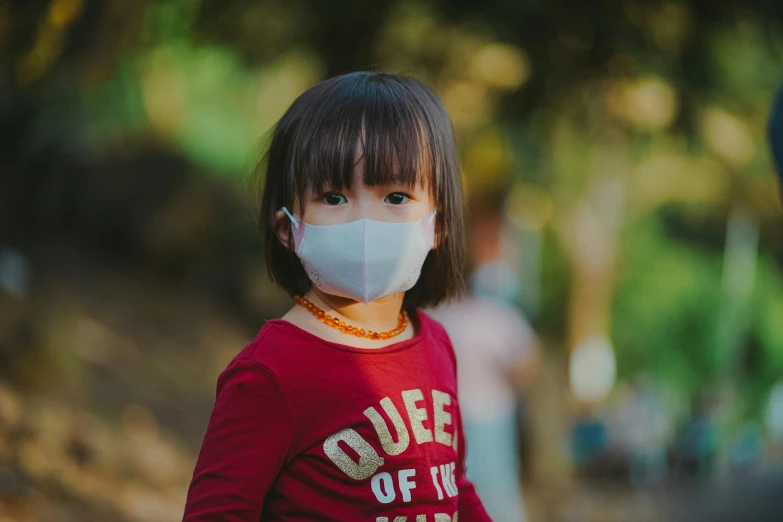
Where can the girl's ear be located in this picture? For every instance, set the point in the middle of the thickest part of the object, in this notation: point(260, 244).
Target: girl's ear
point(283, 228)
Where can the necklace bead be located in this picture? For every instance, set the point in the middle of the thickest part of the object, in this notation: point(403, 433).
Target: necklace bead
point(334, 322)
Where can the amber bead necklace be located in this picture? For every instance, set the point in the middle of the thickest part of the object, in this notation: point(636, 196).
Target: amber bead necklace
point(334, 322)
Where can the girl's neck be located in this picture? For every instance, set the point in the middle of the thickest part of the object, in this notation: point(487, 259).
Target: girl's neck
point(380, 315)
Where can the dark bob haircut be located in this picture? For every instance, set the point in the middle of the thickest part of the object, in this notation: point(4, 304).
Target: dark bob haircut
point(406, 136)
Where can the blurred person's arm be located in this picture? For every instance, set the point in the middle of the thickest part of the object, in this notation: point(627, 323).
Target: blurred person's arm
point(521, 356)
point(246, 444)
point(524, 373)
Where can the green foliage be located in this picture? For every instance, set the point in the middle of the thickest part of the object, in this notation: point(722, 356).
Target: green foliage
point(555, 281)
point(666, 308)
point(768, 318)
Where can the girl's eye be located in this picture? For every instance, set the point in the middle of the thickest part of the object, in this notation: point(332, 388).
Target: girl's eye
point(333, 199)
point(397, 198)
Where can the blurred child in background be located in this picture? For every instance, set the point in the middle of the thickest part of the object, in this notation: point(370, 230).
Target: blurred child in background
point(497, 358)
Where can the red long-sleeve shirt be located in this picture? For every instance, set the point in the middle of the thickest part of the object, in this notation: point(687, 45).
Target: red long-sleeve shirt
point(304, 429)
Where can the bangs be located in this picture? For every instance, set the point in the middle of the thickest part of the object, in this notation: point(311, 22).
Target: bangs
point(391, 125)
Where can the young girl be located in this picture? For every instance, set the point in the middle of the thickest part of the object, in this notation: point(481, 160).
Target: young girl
point(346, 408)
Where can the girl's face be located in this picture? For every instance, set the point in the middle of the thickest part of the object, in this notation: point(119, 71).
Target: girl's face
point(392, 203)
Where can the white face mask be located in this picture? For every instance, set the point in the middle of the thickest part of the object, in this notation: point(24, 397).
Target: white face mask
point(365, 259)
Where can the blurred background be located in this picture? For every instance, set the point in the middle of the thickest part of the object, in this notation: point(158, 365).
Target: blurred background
point(615, 157)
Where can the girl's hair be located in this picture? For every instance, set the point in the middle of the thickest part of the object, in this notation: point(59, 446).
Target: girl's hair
point(406, 136)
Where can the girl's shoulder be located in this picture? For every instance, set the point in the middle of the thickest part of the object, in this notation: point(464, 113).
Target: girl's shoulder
point(430, 325)
point(437, 334)
point(277, 355)
point(276, 340)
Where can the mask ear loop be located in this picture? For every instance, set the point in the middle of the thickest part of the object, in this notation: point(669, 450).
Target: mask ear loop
point(294, 221)
point(432, 216)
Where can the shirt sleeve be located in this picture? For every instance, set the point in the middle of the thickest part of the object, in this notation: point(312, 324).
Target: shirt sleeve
point(245, 446)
